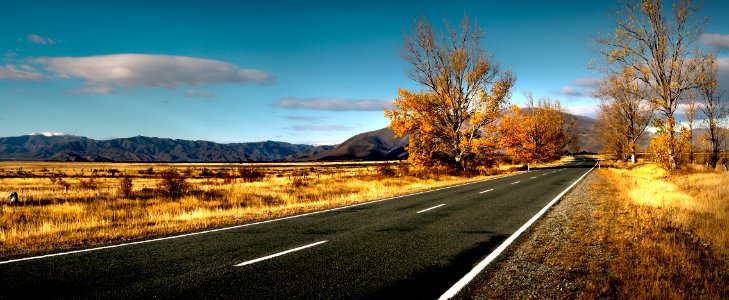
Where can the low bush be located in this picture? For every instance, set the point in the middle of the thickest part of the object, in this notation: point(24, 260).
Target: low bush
point(125, 186)
point(173, 185)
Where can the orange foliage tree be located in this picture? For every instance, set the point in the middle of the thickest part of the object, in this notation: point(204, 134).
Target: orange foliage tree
point(537, 133)
point(450, 122)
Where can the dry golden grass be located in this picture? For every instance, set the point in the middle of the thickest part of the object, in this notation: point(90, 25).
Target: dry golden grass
point(669, 233)
point(52, 217)
point(634, 232)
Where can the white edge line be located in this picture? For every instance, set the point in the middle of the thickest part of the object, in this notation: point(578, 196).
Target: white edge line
point(427, 209)
point(245, 225)
point(486, 191)
point(279, 254)
point(450, 293)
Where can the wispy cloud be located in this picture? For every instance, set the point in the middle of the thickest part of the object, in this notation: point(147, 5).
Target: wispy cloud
point(307, 119)
point(40, 40)
point(570, 92)
point(333, 104)
point(719, 41)
point(723, 73)
point(584, 87)
point(198, 94)
point(23, 72)
point(95, 90)
point(590, 82)
point(319, 128)
point(143, 70)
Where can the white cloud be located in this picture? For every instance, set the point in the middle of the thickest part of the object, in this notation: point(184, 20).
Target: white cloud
point(723, 73)
point(571, 92)
point(40, 40)
point(319, 128)
point(719, 41)
point(197, 94)
point(95, 90)
point(589, 110)
point(585, 87)
point(143, 70)
point(590, 82)
point(723, 66)
point(333, 104)
point(23, 72)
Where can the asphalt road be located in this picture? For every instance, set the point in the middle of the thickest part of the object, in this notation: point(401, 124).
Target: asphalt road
point(410, 247)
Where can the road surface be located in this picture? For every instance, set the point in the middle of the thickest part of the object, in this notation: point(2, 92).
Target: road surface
point(414, 247)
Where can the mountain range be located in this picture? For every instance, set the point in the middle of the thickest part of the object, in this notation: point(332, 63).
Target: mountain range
point(374, 145)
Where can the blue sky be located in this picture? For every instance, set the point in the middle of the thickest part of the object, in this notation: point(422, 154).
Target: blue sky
point(237, 71)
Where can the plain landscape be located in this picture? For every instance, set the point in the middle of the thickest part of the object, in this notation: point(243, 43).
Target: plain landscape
point(280, 150)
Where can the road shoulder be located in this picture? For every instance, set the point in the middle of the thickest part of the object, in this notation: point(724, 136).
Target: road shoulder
point(553, 261)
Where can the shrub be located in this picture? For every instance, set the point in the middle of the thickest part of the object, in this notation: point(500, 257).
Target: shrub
point(299, 182)
point(173, 185)
point(89, 184)
point(251, 175)
point(385, 171)
point(125, 186)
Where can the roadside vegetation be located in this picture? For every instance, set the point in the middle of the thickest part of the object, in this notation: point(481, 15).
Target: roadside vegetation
point(669, 232)
point(67, 205)
point(630, 231)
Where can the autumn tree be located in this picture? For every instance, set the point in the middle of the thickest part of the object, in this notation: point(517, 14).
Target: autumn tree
point(537, 133)
point(623, 115)
point(714, 108)
point(609, 132)
point(654, 42)
point(689, 111)
point(449, 122)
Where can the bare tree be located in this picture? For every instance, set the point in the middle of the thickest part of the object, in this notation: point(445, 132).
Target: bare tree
point(624, 114)
point(714, 108)
point(654, 42)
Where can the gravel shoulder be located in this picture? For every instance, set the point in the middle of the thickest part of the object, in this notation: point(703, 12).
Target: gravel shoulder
point(553, 260)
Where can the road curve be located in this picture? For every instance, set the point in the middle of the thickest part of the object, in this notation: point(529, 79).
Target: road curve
point(416, 246)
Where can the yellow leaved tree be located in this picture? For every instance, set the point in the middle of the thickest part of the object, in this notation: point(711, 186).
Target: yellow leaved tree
point(654, 42)
point(450, 121)
point(537, 133)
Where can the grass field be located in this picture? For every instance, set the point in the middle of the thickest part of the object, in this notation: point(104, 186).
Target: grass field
point(669, 233)
point(70, 205)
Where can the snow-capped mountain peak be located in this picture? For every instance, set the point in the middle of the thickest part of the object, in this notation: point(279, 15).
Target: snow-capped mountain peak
point(49, 133)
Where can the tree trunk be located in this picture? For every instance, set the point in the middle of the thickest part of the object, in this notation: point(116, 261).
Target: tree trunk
point(632, 152)
point(671, 143)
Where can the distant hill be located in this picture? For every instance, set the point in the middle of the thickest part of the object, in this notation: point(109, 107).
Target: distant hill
point(373, 145)
point(40, 147)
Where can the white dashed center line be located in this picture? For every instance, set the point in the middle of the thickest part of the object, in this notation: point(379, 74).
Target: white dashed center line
point(534, 177)
point(515, 182)
point(279, 254)
point(486, 191)
point(427, 209)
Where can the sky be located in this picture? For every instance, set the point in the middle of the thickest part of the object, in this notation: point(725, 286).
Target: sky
point(310, 72)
